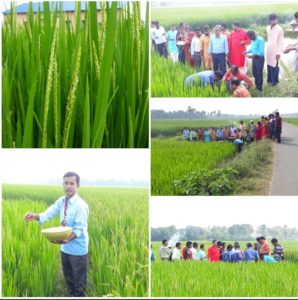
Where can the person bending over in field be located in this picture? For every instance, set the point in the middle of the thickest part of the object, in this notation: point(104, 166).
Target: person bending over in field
point(250, 254)
point(205, 78)
point(73, 212)
point(235, 73)
point(239, 90)
point(278, 250)
point(165, 250)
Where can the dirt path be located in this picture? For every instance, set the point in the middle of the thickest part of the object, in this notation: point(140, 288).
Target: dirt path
point(285, 169)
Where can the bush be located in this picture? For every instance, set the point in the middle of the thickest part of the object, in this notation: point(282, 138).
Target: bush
point(204, 182)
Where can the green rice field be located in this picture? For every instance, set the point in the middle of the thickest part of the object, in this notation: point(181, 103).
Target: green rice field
point(118, 236)
point(293, 121)
point(203, 279)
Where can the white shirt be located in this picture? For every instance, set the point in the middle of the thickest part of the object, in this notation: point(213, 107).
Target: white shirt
point(176, 254)
point(159, 35)
point(194, 253)
point(195, 45)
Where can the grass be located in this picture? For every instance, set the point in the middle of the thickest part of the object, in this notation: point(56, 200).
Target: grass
point(293, 121)
point(118, 233)
point(197, 279)
point(258, 14)
point(167, 80)
point(76, 84)
point(171, 159)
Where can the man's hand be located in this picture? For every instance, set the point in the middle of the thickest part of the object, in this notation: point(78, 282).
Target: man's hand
point(31, 217)
point(277, 56)
point(70, 238)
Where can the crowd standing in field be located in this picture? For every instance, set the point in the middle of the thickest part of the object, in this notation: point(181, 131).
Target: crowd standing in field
point(221, 252)
point(222, 54)
point(267, 128)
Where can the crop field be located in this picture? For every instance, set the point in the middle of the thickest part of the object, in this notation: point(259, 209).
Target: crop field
point(76, 84)
point(167, 80)
point(293, 121)
point(174, 127)
point(203, 279)
point(118, 249)
point(199, 16)
point(171, 159)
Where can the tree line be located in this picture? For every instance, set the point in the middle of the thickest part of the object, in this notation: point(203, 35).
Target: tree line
point(240, 232)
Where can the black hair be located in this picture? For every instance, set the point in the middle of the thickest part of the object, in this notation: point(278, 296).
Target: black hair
point(249, 245)
point(274, 240)
point(178, 244)
point(72, 174)
point(237, 246)
point(236, 23)
point(202, 246)
point(272, 17)
point(218, 74)
point(195, 244)
point(219, 243)
point(277, 113)
point(235, 81)
point(164, 241)
point(262, 238)
point(251, 34)
point(205, 27)
point(214, 241)
point(234, 68)
point(296, 15)
point(229, 247)
point(188, 243)
point(224, 25)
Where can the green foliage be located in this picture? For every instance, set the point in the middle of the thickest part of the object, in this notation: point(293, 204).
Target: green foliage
point(73, 84)
point(118, 236)
point(167, 80)
point(172, 159)
point(293, 121)
point(204, 182)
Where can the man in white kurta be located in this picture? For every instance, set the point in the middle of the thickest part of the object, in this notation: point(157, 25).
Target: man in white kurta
point(274, 49)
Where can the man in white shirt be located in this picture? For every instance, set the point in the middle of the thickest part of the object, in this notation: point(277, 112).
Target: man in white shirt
point(159, 35)
point(152, 29)
point(164, 250)
point(176, 254)
point(194, 250)
point(195, 48)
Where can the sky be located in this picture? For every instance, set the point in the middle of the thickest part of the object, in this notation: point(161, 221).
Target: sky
point(36, 166)
point(6, 5)
point(229, 106)
point(222, 211)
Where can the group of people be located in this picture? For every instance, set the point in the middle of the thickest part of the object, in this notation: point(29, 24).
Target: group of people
point(223, 54)
point(267, 128)
point(221, 252)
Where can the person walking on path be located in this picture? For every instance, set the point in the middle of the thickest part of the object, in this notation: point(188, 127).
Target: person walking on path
point(278, 127)
point(275, 36)
point(256, 52)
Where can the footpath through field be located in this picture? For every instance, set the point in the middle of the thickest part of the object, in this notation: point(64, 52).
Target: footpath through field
point(285, 170)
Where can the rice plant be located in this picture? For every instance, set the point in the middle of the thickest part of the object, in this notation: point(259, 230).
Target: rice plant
point(118, 251)
point(76, 84)
point(167, 80)
point(172, 159)
point(203, 279)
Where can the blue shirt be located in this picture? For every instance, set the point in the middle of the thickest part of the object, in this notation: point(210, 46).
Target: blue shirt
point(257, 47)
point(251, 255)
point(218, 45)
point(226, 256)
point(219, 133)
point(76, 217)
point(186, 134)
point(236, 257)
point(171, 37)
point(206, 77)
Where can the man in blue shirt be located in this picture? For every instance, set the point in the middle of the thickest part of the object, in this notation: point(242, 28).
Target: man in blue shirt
point(219, 134)
point(73, 212)
point(207, 77)
point(257, 53)
point(218, 48)
point(251, 255)
point(186, 134)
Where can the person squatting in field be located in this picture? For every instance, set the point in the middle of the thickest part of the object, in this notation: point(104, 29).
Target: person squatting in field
point(219, 251)
point(267, 128)
point(225, 51)
point(73, 212)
